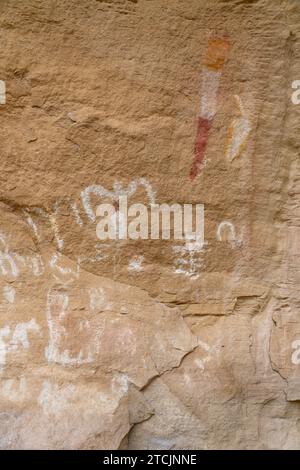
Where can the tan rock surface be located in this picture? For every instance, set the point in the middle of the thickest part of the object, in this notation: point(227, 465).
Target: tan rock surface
point(147, 344)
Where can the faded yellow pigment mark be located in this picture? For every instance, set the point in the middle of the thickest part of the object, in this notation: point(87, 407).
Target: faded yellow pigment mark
point(2, 92)
point(238, 133)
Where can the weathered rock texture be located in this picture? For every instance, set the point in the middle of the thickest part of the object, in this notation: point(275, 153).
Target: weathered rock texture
point(149, 344)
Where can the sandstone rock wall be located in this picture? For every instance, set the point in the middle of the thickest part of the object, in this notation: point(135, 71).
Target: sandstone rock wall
point(149, 344)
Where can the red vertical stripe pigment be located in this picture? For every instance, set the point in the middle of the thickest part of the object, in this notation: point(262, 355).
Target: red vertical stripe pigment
point(203, 128)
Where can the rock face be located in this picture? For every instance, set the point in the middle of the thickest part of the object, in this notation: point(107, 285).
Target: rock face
point(150, 344)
